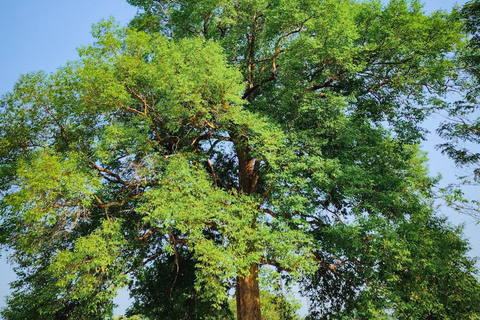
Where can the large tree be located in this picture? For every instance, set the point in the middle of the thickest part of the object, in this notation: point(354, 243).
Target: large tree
point(229, 138)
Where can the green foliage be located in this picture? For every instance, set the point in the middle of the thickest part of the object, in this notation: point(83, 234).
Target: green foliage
point(417, 278)
point(231, 134)
point(166, 290)
point(460, 130)
point(135, 317)
point(72, 184)
point(275, 306)
point(278, 301)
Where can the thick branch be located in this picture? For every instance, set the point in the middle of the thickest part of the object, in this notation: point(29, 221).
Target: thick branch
point(325, 265)
point(117, 179)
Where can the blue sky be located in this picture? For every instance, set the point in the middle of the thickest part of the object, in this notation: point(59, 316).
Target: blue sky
point(44, 35)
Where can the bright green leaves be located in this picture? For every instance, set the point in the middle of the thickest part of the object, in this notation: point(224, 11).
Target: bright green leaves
point(119, 138)
point(383, 56)
point(73, 283)
point(225, 231)
point(181, 189)
point(93, 269)
point(185, 206)
point(50, 193)
point(327, 44)
point(48, 179)
point(82, 147)
point(174, 86)
point(259, 134)
point(149, 156)
point(22, 121)
point(49, 204)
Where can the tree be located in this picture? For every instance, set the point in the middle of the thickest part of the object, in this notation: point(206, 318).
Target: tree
point(129, 318)
point(166, 290)
point(424, 274)
point(462, 124)
point(237, 135)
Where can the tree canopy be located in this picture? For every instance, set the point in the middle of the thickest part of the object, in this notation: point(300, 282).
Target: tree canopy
point(460, 129)
point(215, 145)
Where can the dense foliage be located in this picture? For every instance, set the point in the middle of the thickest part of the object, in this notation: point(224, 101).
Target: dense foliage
point(214, 143)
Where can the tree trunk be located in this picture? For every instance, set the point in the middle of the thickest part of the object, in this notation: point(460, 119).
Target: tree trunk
point(247, 173)
point(248, 291)
point(248, 296)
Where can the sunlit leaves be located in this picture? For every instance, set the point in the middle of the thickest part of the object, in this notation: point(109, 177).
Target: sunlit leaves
point(92, 269)
point(272, 133)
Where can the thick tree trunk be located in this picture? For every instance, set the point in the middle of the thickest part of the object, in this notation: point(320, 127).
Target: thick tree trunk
point(248, 291)
point(248, 296)
point(247, 173)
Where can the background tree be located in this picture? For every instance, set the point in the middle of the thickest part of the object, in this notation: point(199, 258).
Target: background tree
point(234, 135)
point(462, 124)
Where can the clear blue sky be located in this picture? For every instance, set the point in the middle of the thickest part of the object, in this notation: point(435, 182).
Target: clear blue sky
point(44, 34)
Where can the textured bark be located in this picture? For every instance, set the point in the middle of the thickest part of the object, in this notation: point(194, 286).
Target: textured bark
point(247, 172)
point(248, 291)
point(248, 296)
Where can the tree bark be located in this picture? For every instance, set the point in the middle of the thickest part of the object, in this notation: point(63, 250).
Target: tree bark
point(247, 290)
point(248, 296)
point(247, 173)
